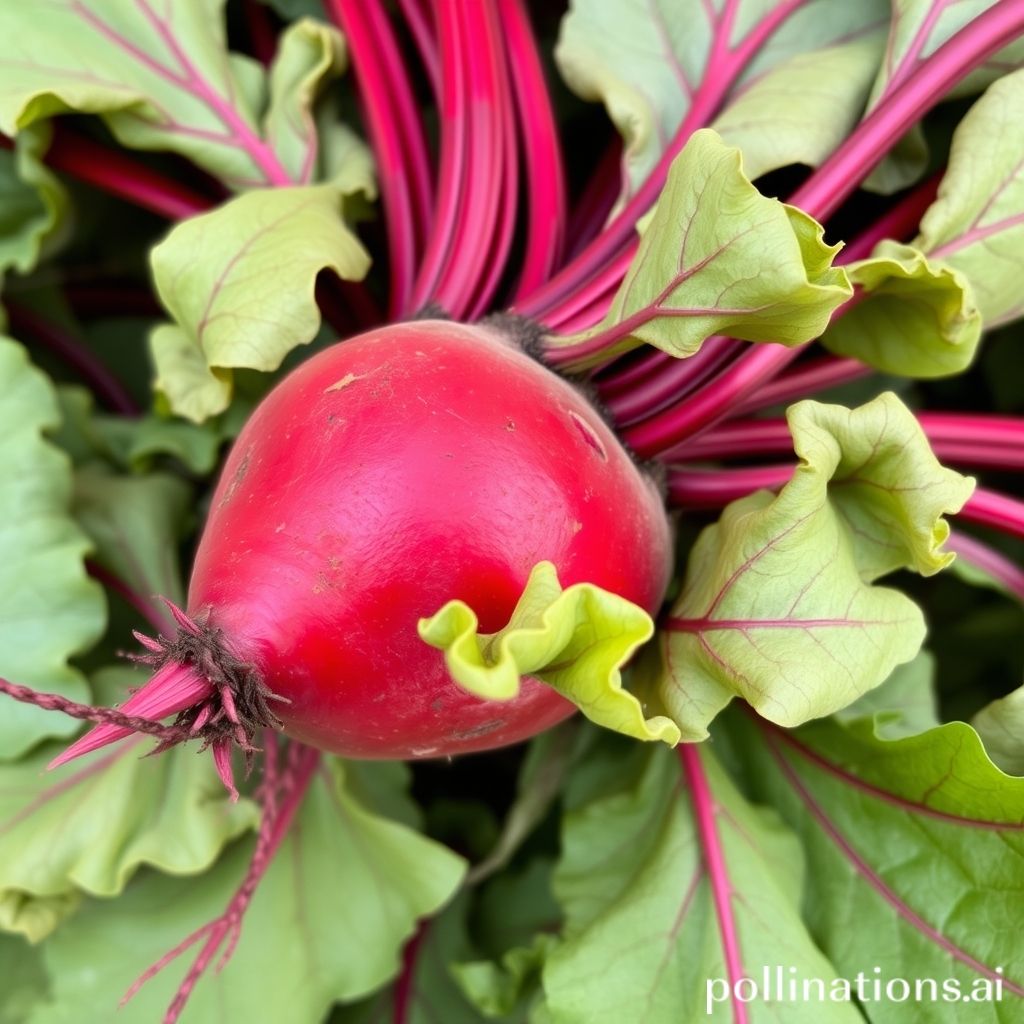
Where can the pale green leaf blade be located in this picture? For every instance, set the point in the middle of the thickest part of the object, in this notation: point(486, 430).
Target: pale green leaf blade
point(643, 937)
point(916, 317)
point(778, 605)
point(310, 53)
point(1000, 724)
point(653, 63)
point(239, 282)
point(975, 224)
point(916, 30)
point(159, 74)
point(327, 922)
point(718, 257)
point(799, 111)
point(884, 481)
point(924, 836)
point(89, 827)
point(576, 640)
point(49, 608)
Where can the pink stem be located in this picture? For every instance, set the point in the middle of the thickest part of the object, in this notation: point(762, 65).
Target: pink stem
point(991, 441)
point(817, 375)
point(724, 65)
point(488, 109)
point(840, 175)
point(453, 158)
point(673, 383)
point(76, 353)
point(704, 812)
point(1000, 511)
point(713, 489)
point(417, 17)
point(597, 200)
point(990, 561)
point(118, 174)
point(406, 983)
point(385, 119)
point(541, 147)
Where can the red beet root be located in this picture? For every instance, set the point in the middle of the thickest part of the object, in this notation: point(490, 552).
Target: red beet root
point(389, 474)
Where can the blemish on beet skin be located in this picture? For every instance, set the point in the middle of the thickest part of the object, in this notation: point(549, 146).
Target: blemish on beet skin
point(587, 433)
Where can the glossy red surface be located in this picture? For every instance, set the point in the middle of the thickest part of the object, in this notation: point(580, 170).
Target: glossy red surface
point(385, 476)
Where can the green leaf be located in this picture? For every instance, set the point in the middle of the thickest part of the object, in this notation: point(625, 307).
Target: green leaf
point(718, 257)
point(49, 608)
point(799, 111)
point(32, 202)
point(915, 317)
point(652, 63)
point(90, 827)
point(1000, 724)
point(917, 29)
point(975, 224)
point(903, 705)
point(23, 980)
point(778, 605)
point(134, 524)
point(923, 836)
point(575, 640)
point(327, 922)
point(162, 78)
point(239, 282)
point(643, 935)
point(309, 54)
point(432, 994)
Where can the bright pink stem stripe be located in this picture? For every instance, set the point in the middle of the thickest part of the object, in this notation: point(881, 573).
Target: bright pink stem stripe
point(808, 379)
point(704, 810)
point(421, 28)
point(988, 560)
point(596, 200)
point(118, 174)
point(907, 103)
point(823, 193)
point(374, 72)
point(1000, 511)
point(696, 488)
point(980, 440)
point(541, 149)
point(452, 169)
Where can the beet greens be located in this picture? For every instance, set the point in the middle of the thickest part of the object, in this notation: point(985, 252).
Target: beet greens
point(784, 261)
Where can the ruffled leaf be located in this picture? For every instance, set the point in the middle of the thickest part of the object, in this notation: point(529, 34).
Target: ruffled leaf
point(575, 640)
point(651, 62)
point(88, 829)
point(779, 606)
point(917, 318)
point(239, 282)
point(161, 77)
point(718, 257)
point(49, 608)
point(975, 224)
point(327, 922)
